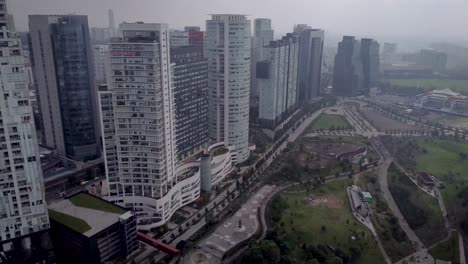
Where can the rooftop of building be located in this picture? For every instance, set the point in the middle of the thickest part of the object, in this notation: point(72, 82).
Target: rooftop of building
point(86, 214)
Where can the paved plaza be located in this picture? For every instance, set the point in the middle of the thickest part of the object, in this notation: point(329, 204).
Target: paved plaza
point(239, 227)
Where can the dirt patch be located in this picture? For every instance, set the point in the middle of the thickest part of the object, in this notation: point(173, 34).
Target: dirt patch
point(383, 123)
point(329, 201)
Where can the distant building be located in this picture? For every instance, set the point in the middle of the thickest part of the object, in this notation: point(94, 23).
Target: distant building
point(100, 59)
point(435, 59)
point(277, 79)
point(179, 38)
point(263, 34)
point(196, 36)
point(99, 35)
point(310, 63)
point(389, 53)
point(406, 71)
point(348, 72)
point(191, 99)
point(87, 229)
point(444, 100)
point(370, 63)
point(228, 52)
point(63, 66)
point(356, 67)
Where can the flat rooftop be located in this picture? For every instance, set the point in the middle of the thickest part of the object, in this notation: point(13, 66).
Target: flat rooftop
point(86, 214)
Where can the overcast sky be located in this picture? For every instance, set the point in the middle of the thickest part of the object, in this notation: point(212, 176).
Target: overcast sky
point(426, 20)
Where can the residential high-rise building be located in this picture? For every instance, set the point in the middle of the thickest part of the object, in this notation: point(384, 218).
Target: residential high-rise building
point(370, 57)
point(277, 79)
point(191, 99)
point(63, 66)
point(310, 62)
point(140, 149)
point(227, 48)
point(263, 34)
point(348, 69)
point(100, 59)
point(23, 211)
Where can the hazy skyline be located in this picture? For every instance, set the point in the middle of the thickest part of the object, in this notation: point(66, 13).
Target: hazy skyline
point(414, 20)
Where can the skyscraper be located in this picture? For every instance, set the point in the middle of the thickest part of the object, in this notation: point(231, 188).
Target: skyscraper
point(23, 211)
point(348, 70)
point(277, 74)
point(63, 68)
point(370, 56)
point(141, 166)
point(228, 51)
point(310, 62)
point(263, 34)
point(191, 99)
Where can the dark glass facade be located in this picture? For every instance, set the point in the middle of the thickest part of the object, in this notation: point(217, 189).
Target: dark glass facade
point(70, 44)
point(191, 99)
point(347, 77)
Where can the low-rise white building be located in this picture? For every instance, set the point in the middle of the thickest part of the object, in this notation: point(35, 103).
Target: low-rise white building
point(445, 100)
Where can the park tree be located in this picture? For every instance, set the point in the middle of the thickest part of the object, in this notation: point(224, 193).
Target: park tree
point(265, 251)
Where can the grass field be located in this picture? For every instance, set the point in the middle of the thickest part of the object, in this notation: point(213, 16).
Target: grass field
point(442, 159)
point(420, 209)
point(325, 121)
point(392, 236)
point(74, 223)
point(431, 84)
point(304, 223)
point(448, 250)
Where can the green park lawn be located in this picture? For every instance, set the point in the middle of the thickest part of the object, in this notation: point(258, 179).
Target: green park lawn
point(431, 84)
point(74, 223)
point(304, 223)
point(448, 250)
point(326, 121)
point(442, 159)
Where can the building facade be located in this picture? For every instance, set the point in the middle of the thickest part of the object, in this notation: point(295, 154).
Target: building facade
point(196, 36)
point(179, 38)
point(142, 169)
point(23, 210)
point(277, 79)
point(227, 48)
point(191, 99)
point(63, 66)
point(109, 232)
point(348, 69)
point(263, 34)
point(100, 58)
point(310, 63)
point(370, 57)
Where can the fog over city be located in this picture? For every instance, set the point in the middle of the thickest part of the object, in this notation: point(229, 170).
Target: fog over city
point(410, 21)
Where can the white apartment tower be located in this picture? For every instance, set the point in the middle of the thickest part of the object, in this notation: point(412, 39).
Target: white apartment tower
point(227, 48)
point(277, 79)
point(23, 210)
point(142, 165)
